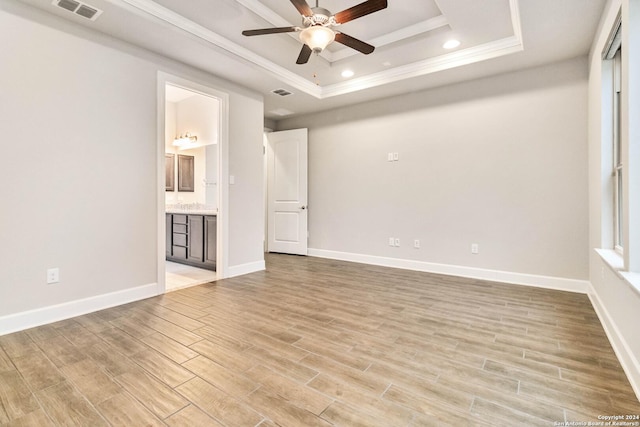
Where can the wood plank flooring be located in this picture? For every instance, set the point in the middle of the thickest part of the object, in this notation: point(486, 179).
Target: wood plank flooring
point(313, 342)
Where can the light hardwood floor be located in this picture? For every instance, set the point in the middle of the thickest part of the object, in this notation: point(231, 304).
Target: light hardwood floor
point(313, 342)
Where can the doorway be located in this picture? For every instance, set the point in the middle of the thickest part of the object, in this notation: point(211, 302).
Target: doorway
point(193, 158)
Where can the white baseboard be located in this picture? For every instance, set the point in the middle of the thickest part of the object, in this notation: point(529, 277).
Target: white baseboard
point(41, 316)
point(629, 362)
point(250, 267)
point(557, 283)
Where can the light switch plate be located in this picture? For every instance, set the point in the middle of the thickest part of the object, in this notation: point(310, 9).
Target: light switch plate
point(53, 275)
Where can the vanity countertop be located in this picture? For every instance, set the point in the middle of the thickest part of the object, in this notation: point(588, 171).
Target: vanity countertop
point(193, 209)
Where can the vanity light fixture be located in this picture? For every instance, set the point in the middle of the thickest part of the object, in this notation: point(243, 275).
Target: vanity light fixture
point(187, 139)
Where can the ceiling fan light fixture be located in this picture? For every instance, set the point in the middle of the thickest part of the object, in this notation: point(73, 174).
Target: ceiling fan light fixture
point(317, 27)
point(317, 37)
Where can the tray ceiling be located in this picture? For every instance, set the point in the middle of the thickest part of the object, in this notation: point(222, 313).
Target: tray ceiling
point(408, 36)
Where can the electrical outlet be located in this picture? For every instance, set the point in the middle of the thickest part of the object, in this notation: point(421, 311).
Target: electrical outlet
point(397, 242)
point(416, 244)
point(391, 241)
point(53, 275)
point(475, 249)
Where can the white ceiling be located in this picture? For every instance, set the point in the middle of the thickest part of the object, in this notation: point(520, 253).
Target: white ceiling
point(496, 36)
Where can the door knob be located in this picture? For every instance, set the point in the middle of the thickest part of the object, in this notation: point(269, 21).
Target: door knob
point(303, 207)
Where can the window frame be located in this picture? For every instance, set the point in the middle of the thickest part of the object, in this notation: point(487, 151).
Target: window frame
point(620, 153)
point(618, 166)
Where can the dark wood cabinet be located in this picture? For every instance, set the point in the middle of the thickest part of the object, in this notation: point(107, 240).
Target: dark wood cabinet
point(196, 238)
point(186, 165)
point(210, 245)
point(170, 172)
point(179, 237)
point(168, 230)
point(192, 240)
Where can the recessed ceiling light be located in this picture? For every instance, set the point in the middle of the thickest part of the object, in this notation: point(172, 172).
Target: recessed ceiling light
point(386, 63)
point(451, 44)
point(347, 73)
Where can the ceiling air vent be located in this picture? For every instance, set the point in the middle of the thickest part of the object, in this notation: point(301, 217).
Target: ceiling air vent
point(70, 5)
point(281, 92)
point(79, 8)
point(86, 11)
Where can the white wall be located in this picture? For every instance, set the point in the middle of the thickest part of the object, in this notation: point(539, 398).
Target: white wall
point(500, 161)
point(211, 175)
point(79, 191)
point(170, 124)
point(617, 303)
point(247, 194)
point(198, 115)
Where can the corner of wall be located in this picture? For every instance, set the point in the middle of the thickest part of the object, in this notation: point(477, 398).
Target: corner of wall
point(250, 267)
point(630, 364)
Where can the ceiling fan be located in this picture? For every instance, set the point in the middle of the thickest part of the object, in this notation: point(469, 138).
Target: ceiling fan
point(317, 27)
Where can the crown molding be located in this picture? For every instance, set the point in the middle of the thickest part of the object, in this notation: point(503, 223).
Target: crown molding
point(392, 37)
point(515, 20)
point(505, 46)
point(267, 13)
point(443, 62)
point(148, 8)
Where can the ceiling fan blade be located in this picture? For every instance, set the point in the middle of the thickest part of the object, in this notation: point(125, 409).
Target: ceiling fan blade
point(303, 7)
point(360, 10)
point(354, 43)
point(305, 54)
point(270, 31)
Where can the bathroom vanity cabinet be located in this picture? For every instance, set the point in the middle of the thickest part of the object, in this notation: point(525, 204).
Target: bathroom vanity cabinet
point(191, 239)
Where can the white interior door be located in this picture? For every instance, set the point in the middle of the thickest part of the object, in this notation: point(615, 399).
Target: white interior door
point(287, 192)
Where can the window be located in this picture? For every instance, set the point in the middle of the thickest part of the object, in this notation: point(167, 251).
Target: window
point(618, 189)
point(613, 57)
point(620, 149)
